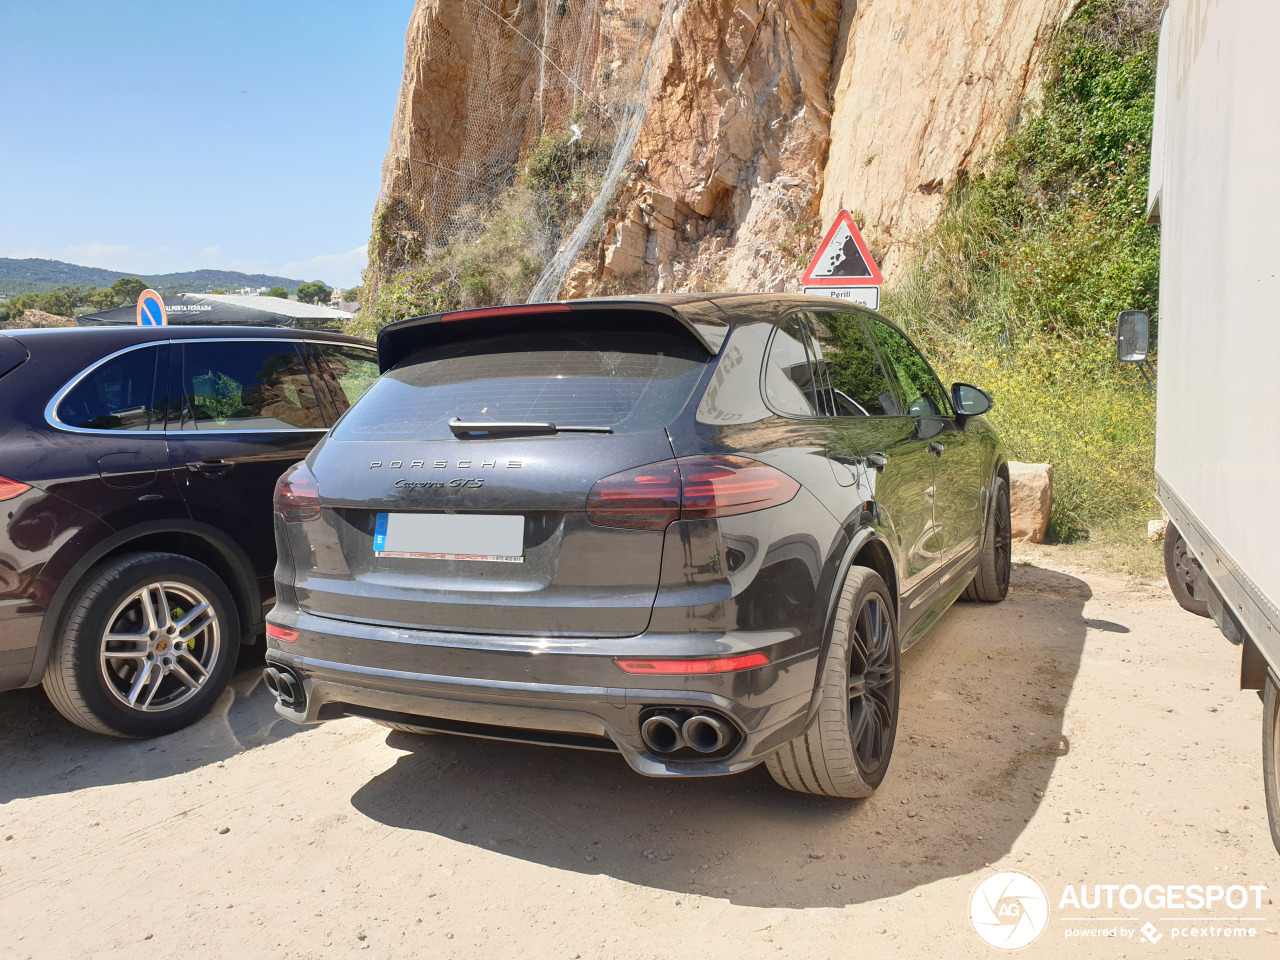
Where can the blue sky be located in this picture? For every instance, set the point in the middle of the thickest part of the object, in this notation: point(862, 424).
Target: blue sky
point(162, 136)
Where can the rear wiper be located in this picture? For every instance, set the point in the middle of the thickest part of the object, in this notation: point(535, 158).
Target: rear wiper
point(484, 428)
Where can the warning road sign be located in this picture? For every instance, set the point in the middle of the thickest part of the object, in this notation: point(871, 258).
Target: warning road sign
point(843, 259)
point(866, 296)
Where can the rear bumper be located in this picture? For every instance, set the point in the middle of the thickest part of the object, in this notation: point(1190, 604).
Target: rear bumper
point(565, 693)
point(19, 636)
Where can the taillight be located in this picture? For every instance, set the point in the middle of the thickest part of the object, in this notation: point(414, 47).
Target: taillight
point(297, 497)
point(727, 486)
point(647, 498)
point(650, 497)
point(746, 661)
point(12, 488)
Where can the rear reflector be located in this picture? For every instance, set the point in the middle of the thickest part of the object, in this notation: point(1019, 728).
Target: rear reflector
point(281, 633)
point(694, 488)
point(12, 488)
point(688, 667)
point(297, 498)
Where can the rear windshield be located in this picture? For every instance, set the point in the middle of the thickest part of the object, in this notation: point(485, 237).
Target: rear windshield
point(630, 381)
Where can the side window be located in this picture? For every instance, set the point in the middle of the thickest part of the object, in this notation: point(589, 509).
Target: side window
point(921, 390)
point(247, 385)
point(858, 386)
point(118, 395)
point(347, 371)
point(788, 379)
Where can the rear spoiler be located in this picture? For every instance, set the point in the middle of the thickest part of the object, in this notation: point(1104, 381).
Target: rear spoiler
point(399, 339)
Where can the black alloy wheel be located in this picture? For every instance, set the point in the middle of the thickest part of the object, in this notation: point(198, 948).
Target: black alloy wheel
point(873, 681)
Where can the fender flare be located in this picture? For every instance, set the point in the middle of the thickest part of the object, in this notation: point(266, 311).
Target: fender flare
point(859, 540)
point(990, 495)
point(245, 586)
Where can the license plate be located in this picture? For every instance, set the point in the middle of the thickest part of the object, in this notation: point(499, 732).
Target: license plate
point(450, 536)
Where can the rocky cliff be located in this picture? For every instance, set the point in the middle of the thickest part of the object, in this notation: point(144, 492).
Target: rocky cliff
point(734, 129)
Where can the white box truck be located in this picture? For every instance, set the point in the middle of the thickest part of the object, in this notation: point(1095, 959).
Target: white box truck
point(1215, 191)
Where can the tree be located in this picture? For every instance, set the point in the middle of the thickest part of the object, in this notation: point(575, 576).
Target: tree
point(128, 289)
point(58, 303)
point(314, 292)
point(278, 291)
point(106, 299)
point(352, 294)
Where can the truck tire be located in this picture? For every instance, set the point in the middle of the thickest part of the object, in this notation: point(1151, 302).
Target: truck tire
point(1271, 756)
point(146, 648)
point(847, 749)
point(1179, 570)
point(991, 583)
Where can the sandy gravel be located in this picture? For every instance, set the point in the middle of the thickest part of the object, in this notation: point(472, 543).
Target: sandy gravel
point(1085, 731)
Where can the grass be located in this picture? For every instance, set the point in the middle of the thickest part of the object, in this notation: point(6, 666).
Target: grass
point(1017, 287)
point(499, 256)
point(500, 264)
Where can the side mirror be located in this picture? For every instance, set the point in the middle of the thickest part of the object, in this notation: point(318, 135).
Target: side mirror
point(1132, 336)
point(969, 401)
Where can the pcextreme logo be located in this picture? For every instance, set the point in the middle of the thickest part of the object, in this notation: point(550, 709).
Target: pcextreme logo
point(1009, 910)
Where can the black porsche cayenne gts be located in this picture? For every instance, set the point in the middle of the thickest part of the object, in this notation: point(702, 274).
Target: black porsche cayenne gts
point(695, 530)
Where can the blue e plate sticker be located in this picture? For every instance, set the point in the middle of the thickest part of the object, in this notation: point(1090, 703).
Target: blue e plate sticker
point(380, 533)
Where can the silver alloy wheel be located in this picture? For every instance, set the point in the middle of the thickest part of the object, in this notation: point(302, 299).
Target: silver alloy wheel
point(160, 646)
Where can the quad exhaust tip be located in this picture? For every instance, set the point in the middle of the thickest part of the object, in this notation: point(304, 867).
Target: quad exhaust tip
point(666, 732)
point(285, 686)
point(705, 732)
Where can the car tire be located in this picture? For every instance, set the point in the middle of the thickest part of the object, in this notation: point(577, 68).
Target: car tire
point(173, 664)
point(840, 755)
point(1179, 570)
point(1271, 756)
point(991, 583)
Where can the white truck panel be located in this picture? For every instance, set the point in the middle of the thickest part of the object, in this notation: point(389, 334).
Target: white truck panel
point(1216, 189)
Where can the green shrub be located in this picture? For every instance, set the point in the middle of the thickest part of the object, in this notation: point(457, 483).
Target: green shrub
point(1018, 285)
point(495, 266)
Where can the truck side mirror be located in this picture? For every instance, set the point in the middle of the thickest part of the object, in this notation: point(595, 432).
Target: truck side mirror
point(1132, 336)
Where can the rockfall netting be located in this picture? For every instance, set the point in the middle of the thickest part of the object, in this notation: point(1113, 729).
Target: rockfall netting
point(544, 96)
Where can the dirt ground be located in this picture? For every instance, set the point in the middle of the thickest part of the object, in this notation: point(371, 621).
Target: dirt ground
point(1086, 731)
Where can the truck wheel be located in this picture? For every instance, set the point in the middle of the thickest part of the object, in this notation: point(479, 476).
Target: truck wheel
point(991, 583)
point(847, 749)
point(146, 649)
point(1271, 756)
point(1180, 571)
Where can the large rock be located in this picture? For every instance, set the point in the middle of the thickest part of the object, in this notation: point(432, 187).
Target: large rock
point(1030, 499)
point(925, 90)
point(761, 120)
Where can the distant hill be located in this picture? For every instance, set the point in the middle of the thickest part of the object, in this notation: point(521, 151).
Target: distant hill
point(41, 276)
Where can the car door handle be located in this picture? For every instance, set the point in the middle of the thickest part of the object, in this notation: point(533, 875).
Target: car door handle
point(935, 448)
point(210, 468)
point(877, 460)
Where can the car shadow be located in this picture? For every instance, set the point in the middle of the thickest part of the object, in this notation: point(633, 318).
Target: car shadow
point(980, 731)
point(42, 753)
